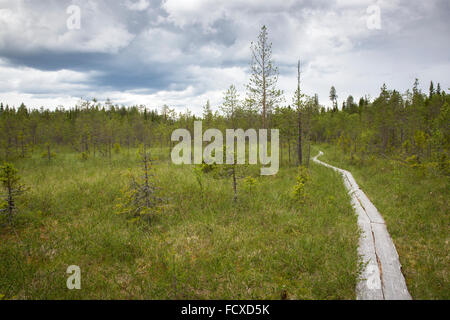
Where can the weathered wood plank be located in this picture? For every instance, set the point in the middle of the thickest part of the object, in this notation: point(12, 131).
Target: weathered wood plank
point(394, 285)
point(372, 212)
point(369, 286)
point(382, 277)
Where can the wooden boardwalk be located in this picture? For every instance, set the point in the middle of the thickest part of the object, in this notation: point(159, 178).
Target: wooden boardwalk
point(382, 277)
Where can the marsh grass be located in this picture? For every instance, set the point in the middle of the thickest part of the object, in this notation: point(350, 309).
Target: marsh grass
point(415, 207)
point(264, 246)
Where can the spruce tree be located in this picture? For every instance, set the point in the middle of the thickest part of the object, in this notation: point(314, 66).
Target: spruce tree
point(10, 181)
point(230, 104)
point(333, 98)
point(431, 90)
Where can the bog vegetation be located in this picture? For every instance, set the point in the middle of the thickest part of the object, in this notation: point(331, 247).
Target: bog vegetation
point(101, 193)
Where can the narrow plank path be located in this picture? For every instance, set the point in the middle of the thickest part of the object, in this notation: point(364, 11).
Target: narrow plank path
point(382, 277)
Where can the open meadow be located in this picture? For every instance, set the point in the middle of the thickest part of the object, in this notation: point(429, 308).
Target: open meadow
point(198, 245)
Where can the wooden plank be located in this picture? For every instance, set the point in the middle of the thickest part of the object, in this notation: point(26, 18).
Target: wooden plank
point(394, 285)
point(372, 212)
point(382, 277)
point(369, 286)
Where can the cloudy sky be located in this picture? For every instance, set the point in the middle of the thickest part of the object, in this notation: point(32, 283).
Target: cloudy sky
point(182, 53)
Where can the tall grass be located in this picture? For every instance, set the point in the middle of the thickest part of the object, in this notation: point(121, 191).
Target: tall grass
point(264, 246)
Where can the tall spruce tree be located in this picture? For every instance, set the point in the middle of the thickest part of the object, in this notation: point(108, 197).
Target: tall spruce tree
point(333, 98)
point(431, 90)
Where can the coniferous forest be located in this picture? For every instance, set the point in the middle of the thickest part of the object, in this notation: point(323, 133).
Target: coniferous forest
point(411, 127)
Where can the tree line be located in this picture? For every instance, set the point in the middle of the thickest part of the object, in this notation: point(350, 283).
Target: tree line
point(413, 126)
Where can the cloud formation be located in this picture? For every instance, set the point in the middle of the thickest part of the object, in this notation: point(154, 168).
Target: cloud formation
point(182, 53)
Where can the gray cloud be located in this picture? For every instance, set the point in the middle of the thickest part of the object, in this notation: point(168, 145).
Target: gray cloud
point(141, 51)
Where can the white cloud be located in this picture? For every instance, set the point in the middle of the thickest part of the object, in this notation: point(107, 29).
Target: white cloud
point(28, 79)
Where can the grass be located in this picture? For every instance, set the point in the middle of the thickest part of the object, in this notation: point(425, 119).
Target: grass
point(266, 246)
point(415, 207)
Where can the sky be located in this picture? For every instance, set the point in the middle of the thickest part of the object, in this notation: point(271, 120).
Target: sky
point(183, 53)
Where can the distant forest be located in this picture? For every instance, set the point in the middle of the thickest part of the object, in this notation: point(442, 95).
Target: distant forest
point(413, 126)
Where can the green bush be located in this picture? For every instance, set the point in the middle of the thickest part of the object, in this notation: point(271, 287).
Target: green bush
point(299, 192)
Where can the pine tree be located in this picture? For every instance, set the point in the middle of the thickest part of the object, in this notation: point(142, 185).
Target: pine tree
point(350, 105)
point(333, 98)
point(297, 101)
point(416, 89)
point(140, 199)
point(207, 114)
point(230, 104)
point(431, 90)
point(262, 87)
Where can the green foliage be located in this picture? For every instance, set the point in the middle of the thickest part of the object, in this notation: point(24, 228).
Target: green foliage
point(10, 182)
point(139, 199)
point(117, 148)
point(412, 160)
point(84, 156)
point(262, 245)
point(420, 140)
point(344, 143)
point(207, 168)
point(444, 165)
point(198, 173)
point(393, 126)
point(406, 146)
point(299, 191)
point(249, 183)
point(45, 155)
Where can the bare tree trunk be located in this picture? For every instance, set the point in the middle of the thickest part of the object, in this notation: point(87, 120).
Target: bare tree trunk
point(281, 153)
point(264, 88)
point(299, 119)
point(10, 202)
point(234, 184)
point(309, 153)
point(170, 153)
point(299, 146)
point(23, 148)
point(109, 150)
point(289, 150)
